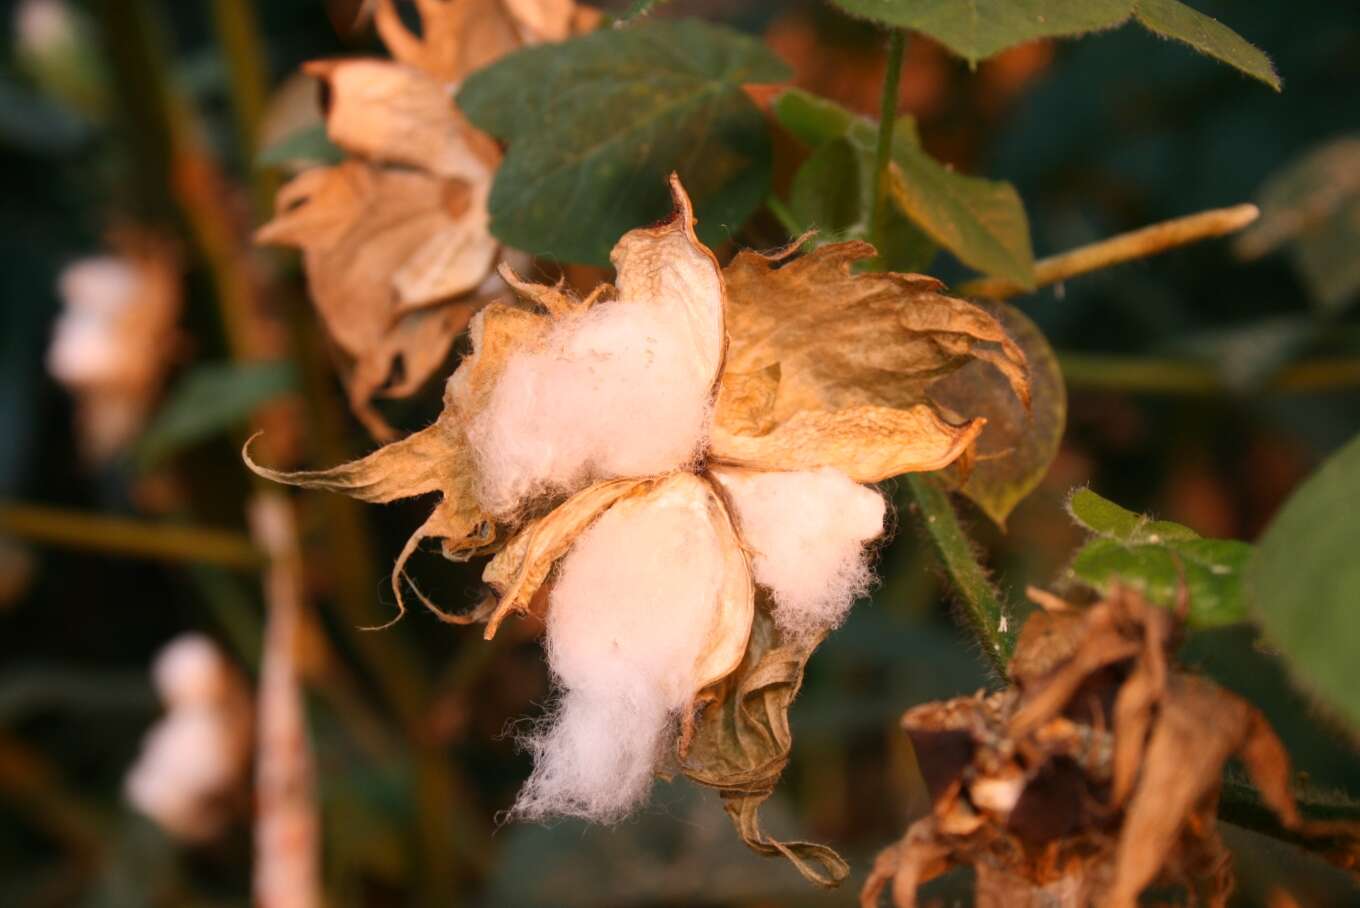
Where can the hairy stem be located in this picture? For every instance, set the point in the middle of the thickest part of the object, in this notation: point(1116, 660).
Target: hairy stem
point(986, 614)
point(1125, 247)
point(887, 117)
point(128, 536)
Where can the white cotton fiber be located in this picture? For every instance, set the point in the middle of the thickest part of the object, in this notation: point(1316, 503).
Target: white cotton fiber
point(614, 392)
point(808, 533)
point(628, 618)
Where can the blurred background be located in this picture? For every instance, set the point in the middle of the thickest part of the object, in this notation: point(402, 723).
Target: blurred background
point(143, 336)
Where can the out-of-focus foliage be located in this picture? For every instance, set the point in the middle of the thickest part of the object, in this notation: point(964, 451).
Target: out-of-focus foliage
point(1305, 567)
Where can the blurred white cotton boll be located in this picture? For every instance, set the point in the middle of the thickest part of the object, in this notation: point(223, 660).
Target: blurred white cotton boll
point(186, 763)
point(191, 671)
point(196, 755)
point(44, 26)
point(99, 295)
point(808, 532)
point(617, 391)
point(627, 622)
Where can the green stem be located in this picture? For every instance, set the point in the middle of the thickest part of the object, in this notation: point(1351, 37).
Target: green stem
point(984, 611)
point(1169, 375)
point(238, 33)
point(127, 536)
point(887, 119)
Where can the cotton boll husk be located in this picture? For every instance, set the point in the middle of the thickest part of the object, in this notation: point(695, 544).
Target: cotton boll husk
point(628, 619)
point(613, 392)
point(808, 533)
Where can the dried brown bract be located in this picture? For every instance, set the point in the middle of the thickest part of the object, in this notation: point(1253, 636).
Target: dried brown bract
point(395, 240)
point(676, 463)
point(1094, 776)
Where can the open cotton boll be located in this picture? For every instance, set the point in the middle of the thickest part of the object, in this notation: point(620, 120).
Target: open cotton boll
point(613, 392)
point(808, 533)
point(628, 618)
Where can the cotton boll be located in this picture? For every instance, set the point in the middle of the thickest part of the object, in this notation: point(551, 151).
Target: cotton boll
point(187, 760)
point(628, 619)
point(613, 392)
point(808, 532)
point(190, 671)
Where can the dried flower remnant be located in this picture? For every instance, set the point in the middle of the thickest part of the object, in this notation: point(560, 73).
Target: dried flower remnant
point(194, 760)
point(657, 459)
point(1096, 775)
point(395, 239)
point(115, 337)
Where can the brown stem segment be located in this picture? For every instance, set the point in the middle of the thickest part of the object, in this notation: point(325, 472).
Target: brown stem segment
point(1125, 247)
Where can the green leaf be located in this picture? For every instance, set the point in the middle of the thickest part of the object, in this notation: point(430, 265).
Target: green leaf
point(309, 145)
point(977, 29)
point(1306, 581)
point(982, 222)
point(1173, 19)
point(1018, 445)
point(594, 126)
point(212, 399)
point(1163, 560)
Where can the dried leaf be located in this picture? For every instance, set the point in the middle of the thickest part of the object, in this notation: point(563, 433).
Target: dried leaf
point(866, 443)
point(1018, 443)
point(741, 741)
point(391, 113)
point(375, 244)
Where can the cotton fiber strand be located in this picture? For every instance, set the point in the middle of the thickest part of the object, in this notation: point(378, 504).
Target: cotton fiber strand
point(614, 392)
point(808, 532)
point(627, 621)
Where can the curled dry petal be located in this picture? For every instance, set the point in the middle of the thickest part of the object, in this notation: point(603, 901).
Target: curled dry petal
point(435, 459)
point(867, 443)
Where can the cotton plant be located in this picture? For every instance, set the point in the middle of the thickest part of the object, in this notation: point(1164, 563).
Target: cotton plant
point(676, 473)
point(395, 238)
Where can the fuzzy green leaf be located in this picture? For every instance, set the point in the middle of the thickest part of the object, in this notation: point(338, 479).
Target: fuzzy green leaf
point(1173, 19)
point(1306, 581)
point(977, 29)
point(1163, 560)
point(596, 124)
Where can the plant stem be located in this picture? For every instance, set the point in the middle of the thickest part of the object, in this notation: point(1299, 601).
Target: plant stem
point(1136, 244)
point(983, 609)
point(127, 536)
point(985, 612)
point(887, 118)
point(1167, 375)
